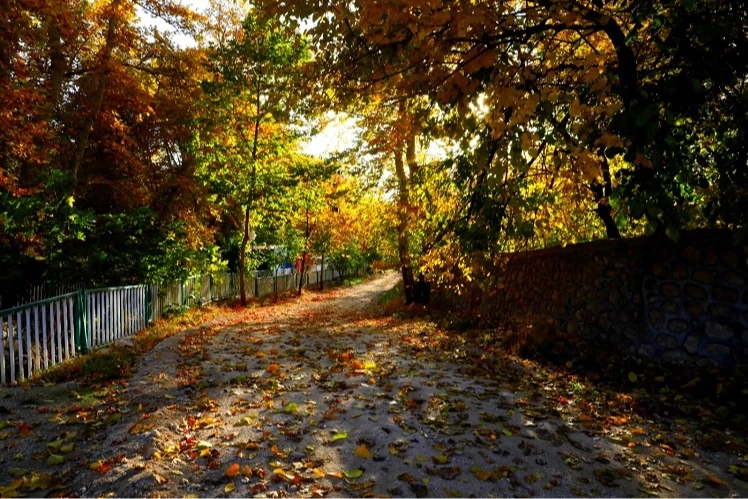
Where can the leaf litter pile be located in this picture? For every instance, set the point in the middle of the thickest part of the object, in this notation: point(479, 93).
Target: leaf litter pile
point(324, 397)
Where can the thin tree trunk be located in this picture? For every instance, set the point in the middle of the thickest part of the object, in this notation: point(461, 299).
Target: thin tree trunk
point(303, 253)
point(243, 259)
point(322, 276)
point(402, 228)
point(602, 195)
point(29, 173)
point(98, 97)
point(245, 239)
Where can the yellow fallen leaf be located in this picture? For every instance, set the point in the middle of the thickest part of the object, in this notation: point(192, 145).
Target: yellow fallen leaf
point(363, 452)
point(229, 487)
point(483, 475)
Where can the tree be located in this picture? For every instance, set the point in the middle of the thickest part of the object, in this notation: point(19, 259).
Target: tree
point(600, 82)
point(250, 96)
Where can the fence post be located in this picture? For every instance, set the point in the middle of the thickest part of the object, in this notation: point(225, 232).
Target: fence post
point(210, 288)
point(184, 293)
point(148, 304)
point(257, 289)
point(80, 323)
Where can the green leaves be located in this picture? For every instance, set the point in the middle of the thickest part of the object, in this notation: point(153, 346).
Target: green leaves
point(340, 435)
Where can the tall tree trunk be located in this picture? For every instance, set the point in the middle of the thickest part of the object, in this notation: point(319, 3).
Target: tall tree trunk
point(602, 195)
point(322, 275)
point(303, 253)
point(403, 249)
point(245, 239)
point(243, 259)
point(57, 68)
point(29, 173)
point(98, 97)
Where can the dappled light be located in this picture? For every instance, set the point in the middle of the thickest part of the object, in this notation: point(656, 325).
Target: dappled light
point(326, 396)
point(364, 248)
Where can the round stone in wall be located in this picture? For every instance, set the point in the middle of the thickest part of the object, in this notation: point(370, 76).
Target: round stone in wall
point(704, 276)
point(734, 278)
point(695, 292)
point(722, 311)
point(717, 350)
point(674, 356)
point(692, 344)
point(712, 258)
point(694, 308)
point(731, 259)
point(667, 341)
point(718, 331)
point(678, 326)
point(656, 318)
point(670, 307)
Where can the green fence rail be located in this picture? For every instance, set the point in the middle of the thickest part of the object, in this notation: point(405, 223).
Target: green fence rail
point(36, 336)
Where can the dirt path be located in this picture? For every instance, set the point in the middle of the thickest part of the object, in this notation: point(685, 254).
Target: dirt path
point(325, 398)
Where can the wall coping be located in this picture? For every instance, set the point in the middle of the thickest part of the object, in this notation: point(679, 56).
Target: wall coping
point(600, 245)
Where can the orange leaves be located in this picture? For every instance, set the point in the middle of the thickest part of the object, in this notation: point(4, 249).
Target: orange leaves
point(363, 452)
point(234, 470)
point(617, 420)
point(273, 368)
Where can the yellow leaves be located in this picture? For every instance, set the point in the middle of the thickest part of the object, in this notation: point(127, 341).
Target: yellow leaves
point(363, 452)
point(575, 109)
point(229, 488)
point(609, 140)
point(138, 428)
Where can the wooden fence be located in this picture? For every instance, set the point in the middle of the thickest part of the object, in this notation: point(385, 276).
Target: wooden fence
point(36, 336)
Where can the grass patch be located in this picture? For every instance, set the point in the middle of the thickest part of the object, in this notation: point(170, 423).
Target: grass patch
point(390, 295)
point(353, 281)
point(117, 361)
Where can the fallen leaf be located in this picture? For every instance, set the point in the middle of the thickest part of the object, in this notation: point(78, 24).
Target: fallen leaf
point(55, 459)
point(273, 368)
point(233, 470)
point(633, 377)
point(714, 481)
point(363, 452)
point(229, 487)
point(138, 428)
point(341, 435)
point(354, 473)
point(483, 475)
point(160, 479)
point(39, 481)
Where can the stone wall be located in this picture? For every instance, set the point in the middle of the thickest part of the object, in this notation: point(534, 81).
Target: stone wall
point(681, 303)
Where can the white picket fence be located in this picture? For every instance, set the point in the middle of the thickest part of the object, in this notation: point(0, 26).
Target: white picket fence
point(36, 336)
point(114, 313)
